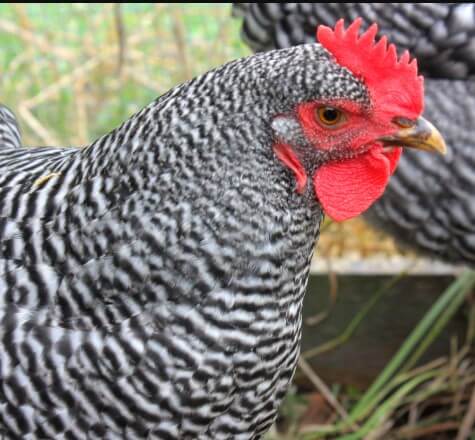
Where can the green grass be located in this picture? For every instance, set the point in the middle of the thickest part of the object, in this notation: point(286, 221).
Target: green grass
point(400, 387)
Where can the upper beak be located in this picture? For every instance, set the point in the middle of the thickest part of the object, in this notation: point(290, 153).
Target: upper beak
point(420, 134)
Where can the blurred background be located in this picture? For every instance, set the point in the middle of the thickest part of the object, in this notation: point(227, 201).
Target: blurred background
point(73, 72)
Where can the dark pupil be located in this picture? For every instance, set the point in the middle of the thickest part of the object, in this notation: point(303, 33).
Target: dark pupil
point(330, 114)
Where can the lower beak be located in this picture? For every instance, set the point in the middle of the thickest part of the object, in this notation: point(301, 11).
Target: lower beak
point(421, 135)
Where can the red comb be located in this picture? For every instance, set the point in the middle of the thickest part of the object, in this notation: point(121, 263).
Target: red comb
point(376, 63)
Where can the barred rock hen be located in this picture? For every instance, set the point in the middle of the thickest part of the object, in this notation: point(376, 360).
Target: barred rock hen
point(9, 131)
point(152, 282)
point(430, 202)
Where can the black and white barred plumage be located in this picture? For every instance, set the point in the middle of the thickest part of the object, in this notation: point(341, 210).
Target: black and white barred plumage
point(152, 283)
point(10, 136)
point(429, 204)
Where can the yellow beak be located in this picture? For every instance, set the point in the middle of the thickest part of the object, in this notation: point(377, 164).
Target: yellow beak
point(421, 135)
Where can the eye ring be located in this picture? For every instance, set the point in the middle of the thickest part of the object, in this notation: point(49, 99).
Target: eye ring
point(329, 116)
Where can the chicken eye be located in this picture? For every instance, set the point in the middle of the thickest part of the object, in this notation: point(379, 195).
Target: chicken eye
point(329, 116)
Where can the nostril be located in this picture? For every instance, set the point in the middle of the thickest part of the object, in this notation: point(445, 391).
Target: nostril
point(404, 122)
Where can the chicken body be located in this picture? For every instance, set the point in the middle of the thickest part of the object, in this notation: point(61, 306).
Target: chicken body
point(152, 282)
point(429, 204)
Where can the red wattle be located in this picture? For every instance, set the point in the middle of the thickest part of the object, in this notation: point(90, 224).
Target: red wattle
point(347, 188)
point(288, 157)
point(393, 157)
